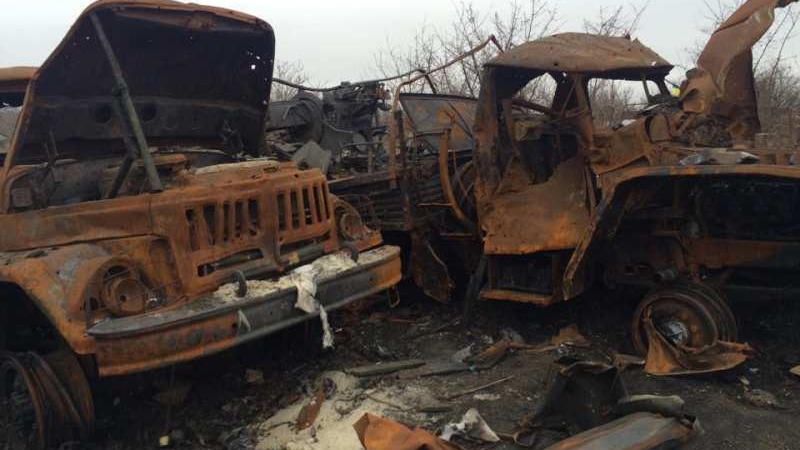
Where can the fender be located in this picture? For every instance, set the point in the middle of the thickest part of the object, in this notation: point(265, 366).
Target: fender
point(58, 281)
point(611, 209)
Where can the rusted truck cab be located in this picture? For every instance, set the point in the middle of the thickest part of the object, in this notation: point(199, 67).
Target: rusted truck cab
point(679, 201)
point(137, 231)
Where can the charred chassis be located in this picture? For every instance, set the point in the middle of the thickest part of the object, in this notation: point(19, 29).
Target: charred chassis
point(128, 200)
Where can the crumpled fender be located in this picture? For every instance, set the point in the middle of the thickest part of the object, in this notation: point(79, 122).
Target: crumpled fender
point(58, 281)
point(612, 208)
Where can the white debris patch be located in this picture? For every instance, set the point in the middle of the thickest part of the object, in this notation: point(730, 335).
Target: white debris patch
point(305, 279)
point(333, 427)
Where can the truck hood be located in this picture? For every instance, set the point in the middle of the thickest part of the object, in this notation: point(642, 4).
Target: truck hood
point(723, 82)
point(198, 76)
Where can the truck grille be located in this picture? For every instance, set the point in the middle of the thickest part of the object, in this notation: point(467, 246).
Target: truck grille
point(303, 211)
point(220, 223)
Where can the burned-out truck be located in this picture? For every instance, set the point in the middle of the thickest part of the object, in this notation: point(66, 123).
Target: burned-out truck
point(679, 201)
point(403, 159)
point(137, 232)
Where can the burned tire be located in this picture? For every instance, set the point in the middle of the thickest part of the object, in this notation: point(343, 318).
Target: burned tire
point(684, 314)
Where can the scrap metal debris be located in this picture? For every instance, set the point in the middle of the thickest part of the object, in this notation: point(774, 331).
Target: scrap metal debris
point(309, 412)
point(592, 400)
point(385, 368)
point(376, 433)
point(669, 406)
point(571, 336)
point(665, 357)
point(584, 394)
point(435, 368)
point(622, 361)
point(477, 389)
point(640, 431)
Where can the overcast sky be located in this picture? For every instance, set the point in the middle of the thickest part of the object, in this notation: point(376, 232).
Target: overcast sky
point(337, 40)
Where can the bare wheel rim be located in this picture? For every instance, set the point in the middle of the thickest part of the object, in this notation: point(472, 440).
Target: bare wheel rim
point(23, 414)
point(718, 306)
point(681, 317)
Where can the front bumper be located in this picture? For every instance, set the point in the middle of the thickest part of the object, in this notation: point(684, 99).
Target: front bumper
point(213, 323)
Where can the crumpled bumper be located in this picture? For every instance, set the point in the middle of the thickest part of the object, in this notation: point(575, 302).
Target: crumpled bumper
point(220, 320)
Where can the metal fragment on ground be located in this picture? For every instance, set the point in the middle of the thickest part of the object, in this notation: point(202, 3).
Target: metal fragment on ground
point(640, 431)
point(309, 412)
point(385, 368)
point(673, 358)
point(376, 433)
point(584, 394)
point(669, 406)
point(434, 368)
point(571, 336)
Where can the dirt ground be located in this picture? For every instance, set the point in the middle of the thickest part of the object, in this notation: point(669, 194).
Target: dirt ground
point(243, 399)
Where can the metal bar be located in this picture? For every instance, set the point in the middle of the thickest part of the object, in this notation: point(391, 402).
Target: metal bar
point(127, 164)
point(343, 85)
point(447, 187)
point(396, 138)
point(128, 108)
point(393, 131)
point(481, 46)
point(219, 223)
point(124, 169)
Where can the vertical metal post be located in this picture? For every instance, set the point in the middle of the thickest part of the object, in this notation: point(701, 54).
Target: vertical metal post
point(128, 108)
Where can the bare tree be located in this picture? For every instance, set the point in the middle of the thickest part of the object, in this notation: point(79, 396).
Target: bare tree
point(291, 71)
point(524, 21)
point(614, 101)
point(621, 21)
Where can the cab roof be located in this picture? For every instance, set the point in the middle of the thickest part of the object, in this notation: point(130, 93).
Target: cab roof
point(597, 56)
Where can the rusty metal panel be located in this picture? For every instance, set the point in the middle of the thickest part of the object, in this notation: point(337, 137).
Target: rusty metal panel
point(601, 56)
point(723, 82)
point(13, 84)
point(555, 212)
point(432, 113)
point(640, 431)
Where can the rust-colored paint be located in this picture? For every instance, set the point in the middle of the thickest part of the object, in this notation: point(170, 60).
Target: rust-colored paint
point(553, 184)
point(723, 79)
point(639, 431)
point(95, 259)
point(14, 80)
point(601, 56)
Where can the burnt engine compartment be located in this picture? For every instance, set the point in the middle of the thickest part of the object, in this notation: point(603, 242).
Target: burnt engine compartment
point(70, 181)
